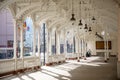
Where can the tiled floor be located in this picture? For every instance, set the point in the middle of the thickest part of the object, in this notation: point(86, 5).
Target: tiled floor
point(94, 68)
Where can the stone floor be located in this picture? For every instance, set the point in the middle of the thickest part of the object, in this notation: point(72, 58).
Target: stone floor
point(94, 68)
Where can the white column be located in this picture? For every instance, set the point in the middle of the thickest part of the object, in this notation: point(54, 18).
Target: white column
point(84, 52)
point(39, 44)
point(15, 44)
point(73, 46)
point(49, 42)
point(107, 50)
point(21, 45)
point(58, 42)
point(65, 45)
point(47, 46)
point(84, 49)
point(77, 49)
point(76, 44)
point(34, 41)
point(105, 53)
point(118, 63)
point(82, 46)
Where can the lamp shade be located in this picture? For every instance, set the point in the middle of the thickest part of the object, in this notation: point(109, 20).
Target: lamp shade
point(73, 18)
point(86, 26)
point(89, 29)
point(80, 23)
point(93, 18)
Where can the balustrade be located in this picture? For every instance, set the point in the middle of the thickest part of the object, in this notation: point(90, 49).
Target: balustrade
point(8, 65)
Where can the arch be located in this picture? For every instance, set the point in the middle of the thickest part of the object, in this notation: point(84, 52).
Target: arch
point(6, 3)
point(46, 17)
point(6, 34)
point(60, 20)
point(28, 37)
point(27, 8)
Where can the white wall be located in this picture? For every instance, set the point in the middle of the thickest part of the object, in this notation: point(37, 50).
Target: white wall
point(92, 46)
point(114, 47)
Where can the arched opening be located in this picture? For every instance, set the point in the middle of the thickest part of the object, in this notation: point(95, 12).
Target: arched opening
point(6, 34)
point(43, 43)
point(28, 37)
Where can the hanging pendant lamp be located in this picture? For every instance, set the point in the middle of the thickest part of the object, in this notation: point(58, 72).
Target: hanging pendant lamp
point(86, 26)
point(73, 15)
point(73, 18)
point(93, 18)
point(90, 29)
point(80, 23)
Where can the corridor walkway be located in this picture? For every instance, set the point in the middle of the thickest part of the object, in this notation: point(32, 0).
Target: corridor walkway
point(94, 68)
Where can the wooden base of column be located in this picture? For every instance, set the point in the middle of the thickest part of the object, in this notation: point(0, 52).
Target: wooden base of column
point(78, 60)
point(19, 71)
point(59, 62)
point(71, 58)
point(85, 58)
point(49, 64)
point(105, 60)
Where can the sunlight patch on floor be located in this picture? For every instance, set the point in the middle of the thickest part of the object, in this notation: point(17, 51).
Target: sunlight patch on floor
point(67, 66)
point(65, 78)
point(42, 76)
point(26, 77)
point(88, 62)
point(56, 71)
point(15, 79)
point(50, 73)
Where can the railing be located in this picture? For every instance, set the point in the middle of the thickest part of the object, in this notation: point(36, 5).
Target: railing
point(8, 65)
point(71, 55)
point(56, 58)
point(31, 62)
